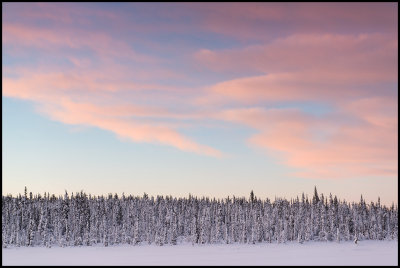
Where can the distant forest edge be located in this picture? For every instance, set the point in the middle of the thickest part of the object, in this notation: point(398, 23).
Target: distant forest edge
point(87, 220)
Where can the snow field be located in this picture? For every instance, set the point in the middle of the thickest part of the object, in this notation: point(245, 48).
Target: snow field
point(291, 253)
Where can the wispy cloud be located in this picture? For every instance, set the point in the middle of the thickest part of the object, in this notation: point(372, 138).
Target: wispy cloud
point(101, 88)
point(358, 140)
point(121, 119)
point(300, 67)
point(354, 74)
point(341, 55)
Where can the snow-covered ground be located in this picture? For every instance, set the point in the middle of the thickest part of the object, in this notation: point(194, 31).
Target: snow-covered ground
point(311, 253)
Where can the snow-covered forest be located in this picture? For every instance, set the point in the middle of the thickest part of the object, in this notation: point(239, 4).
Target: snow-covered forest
point(81, 219)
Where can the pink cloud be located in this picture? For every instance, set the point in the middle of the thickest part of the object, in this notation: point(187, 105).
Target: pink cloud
point(82, 114)
point(357, 139)
point(305, 67)
point(117, 88)
point(332, 52)
point(329, 147)
point(57, 13)
point(55, 39)
point(266, 21)
point(377, 111)
point(88, 98)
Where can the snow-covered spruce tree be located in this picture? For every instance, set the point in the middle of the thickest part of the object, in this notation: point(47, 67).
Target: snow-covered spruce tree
point(85, 220)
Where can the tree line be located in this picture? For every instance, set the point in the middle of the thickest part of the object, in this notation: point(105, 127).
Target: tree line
point(88, 220)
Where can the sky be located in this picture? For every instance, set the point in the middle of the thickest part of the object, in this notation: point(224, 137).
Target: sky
point(212, 99)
